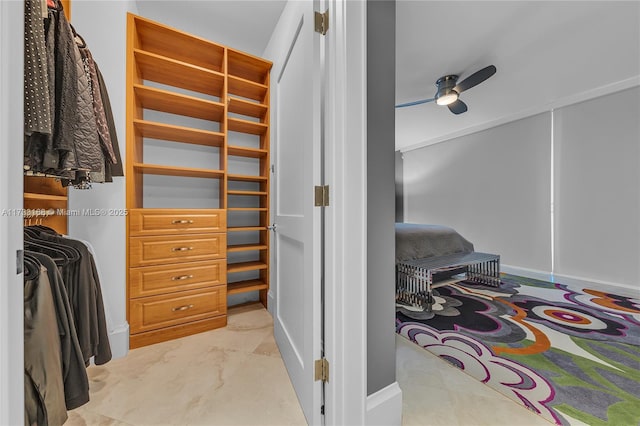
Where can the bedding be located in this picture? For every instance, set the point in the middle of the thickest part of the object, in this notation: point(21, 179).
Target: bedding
point(417, 241)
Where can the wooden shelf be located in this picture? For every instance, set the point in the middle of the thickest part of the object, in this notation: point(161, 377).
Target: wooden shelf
point(246, 247)
point(250, 193)
point(156, 169)
point(248, 66)
point(162, 40)
point(241, 151)
point(245, 286)
point(169, 132)
point(247, 89)
point(246, 178)
point(175, 103)
point(179, 74)
point(44, 197)
point(187, 79)
point(246, 228)
point(252, 109)
point(245, 126)
point(245, 266)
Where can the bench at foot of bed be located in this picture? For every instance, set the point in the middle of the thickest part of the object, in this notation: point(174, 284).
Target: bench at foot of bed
point(416, 279)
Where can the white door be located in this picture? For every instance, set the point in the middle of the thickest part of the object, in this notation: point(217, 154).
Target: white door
point(297, 318)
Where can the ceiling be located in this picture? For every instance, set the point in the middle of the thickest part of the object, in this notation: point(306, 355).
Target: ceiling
point(242, 24)
point(547, 54)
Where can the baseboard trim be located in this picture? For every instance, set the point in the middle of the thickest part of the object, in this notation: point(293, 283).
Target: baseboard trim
point(384, 408)
point(119, 340)
point(616, 288)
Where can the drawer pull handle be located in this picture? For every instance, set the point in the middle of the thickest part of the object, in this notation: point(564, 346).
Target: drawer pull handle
point(182, 248)
point(181, 277)
point(175, 222)
point(182, 308)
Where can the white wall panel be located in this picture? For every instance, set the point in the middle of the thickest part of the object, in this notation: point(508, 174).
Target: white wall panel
point(493, 187)
point(597, 195)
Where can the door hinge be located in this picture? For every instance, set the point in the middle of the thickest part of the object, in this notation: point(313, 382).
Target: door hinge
point(322, 196)
point(322, 370)
point(272, 227)
point(322, 22)
point(273, 168)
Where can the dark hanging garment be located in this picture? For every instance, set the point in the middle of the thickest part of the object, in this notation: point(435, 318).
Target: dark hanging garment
point(43, 387)
point(85, 296)
point(37, 112)
point(74, 372)
point(88, 154)
point(63, 80)
point(116, 168)
point(96, 98)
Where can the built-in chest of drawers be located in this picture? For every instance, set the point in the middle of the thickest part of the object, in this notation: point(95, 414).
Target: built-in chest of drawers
point(177, 273)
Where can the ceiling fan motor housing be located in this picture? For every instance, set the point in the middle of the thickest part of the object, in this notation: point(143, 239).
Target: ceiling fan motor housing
point(445, 87)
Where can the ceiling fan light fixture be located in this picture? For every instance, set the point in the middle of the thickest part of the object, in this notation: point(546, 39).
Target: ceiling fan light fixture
point(447, 98)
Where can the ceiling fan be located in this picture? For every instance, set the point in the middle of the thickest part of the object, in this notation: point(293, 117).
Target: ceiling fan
point(448, 91)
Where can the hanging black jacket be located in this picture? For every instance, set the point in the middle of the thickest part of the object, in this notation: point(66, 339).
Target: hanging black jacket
point(74, 372)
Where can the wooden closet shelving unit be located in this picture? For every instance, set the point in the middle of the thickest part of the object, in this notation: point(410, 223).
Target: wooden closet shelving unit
point(178, 73)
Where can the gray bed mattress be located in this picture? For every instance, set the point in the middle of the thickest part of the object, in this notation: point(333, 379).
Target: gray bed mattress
point(416, 241)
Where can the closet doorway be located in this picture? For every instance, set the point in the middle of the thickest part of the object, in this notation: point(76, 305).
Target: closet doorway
point(298, 229)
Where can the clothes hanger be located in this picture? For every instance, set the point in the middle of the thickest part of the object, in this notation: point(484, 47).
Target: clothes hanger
point(34, 236)
point(78, 38)
point(31, 267)
point(59, 257)
point(46, 229)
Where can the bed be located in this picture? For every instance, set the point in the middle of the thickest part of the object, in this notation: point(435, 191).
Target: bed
point(416, 241)
point(429, 256)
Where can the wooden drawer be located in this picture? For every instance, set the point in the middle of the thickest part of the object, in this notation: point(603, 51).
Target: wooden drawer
point(152, 313)
point(176, 221)
point(153, 280)
point(147, 251)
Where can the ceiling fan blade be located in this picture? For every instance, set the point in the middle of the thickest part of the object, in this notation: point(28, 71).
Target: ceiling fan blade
point(458, 107)
point(475, 79)
point(423, 101)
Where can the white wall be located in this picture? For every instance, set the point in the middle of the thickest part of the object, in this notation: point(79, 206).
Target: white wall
point(495, 188)
point(491, 186)
point(103, 26)
point(11, 283)
point(381, 349)
point(597, 191)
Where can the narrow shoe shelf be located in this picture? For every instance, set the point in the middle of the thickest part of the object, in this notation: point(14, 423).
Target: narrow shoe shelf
point(250, 193)
point(247, 209)
point(245, 266)
point(246, 126)
point(245, 286)
point(246, 247)
point(246, 88)
point(243, 107)
point(247, 178)
point(241, 151)
point(246, 228)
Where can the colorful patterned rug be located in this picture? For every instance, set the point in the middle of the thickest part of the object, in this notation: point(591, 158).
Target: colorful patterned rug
point(571, 356)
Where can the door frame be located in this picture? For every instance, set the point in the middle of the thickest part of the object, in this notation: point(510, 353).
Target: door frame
point(11, 189)
point(345, 220)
